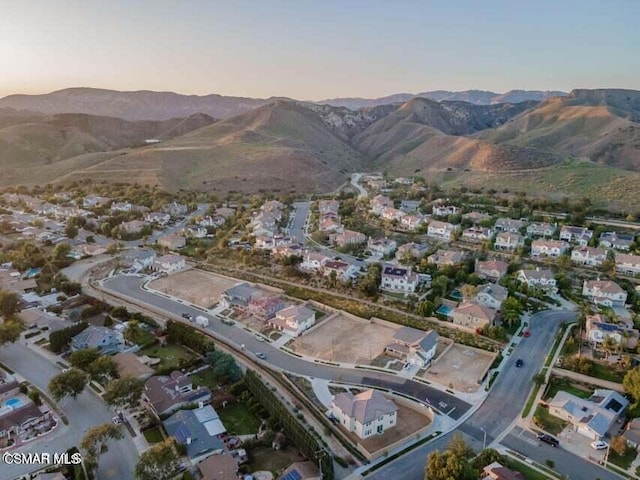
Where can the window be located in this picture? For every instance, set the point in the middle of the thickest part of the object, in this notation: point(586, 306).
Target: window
point(380, 428)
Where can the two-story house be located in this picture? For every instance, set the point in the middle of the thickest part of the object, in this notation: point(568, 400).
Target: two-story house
point(548, 248)
point(579, 235)
point(294, 319)
point(491, 295)
point(104, 339)
point(508, 241)
point(398, 279)
point(628, 264)
point(368, 413)
point(540, 278)
point(604, 292)
point(491, 269)
point(542, 229)
point(440, 230)
point(591, 256)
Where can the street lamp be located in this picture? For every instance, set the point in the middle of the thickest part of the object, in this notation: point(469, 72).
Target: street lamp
point(484, 438)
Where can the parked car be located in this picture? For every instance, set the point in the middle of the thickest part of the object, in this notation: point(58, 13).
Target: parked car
point(228, 321)
point(599, 445)
point(543, 437)
point(261, 355)
point(188, 316)
point(116, 420)
point(259, 337)
point(519, 363)
point(527, 333)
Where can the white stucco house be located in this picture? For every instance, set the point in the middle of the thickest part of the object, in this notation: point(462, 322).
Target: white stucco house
point(367, 414)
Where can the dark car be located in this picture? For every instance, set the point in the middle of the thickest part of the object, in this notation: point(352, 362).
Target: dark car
point(519, 363)
point(188, 316)
point(543, 437)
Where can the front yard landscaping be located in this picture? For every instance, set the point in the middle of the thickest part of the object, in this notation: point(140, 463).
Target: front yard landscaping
point(153, 435)
point(623, 461)
point(549, 423)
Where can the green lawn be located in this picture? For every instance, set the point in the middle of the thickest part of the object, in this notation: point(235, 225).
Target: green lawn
point(145, 337)
point(563, 384)
point(153, 435)
point(264, 458)
point(623, 461)
point(238, 420)
point(205, 378)
point(170, 356)
point(605, 372)
point(528, 472)
point(548, 422)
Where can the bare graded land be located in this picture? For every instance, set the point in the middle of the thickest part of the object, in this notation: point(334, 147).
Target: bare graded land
point(460, 368)
point(345, 339)
point(195, 286)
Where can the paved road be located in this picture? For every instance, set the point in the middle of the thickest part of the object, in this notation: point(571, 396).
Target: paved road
point(502, 406)
point(355, 179)
point(84, 412)
point(455, 407)
point(297, 228)
point(566, 463)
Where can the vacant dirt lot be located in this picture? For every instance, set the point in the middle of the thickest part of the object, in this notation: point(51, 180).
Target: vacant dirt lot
point(408, 422)
point(460, 368)
point(195, 286)
point(347, 340)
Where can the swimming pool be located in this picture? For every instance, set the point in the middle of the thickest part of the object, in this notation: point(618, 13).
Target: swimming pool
point(444, 310)
point(456, 294)
point(13, 403)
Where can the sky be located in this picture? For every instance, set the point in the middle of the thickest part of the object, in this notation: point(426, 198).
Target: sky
point(320, 49)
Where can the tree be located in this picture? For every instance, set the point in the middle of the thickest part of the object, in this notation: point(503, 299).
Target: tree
point(9, 303)
point(61, 251)
point(71, 231)
point(95, 443)
point(426, 308)
point(619, 444)
point(124, 392)
point(487, 457)
point(133, 332)
point(459, 447)
point(70, 383)
point(83, 358)
point(223, 366)
point(102, 369)
point(158, 462)
point(447, 466)
point(631, 383)
point(10, 331)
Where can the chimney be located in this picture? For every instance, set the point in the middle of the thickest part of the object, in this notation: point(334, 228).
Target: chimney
point(189, 440)
point(200, 404)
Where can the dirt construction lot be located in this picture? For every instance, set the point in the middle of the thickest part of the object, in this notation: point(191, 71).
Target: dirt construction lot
point(195, 286)
point(460, 368)
point(344, 339)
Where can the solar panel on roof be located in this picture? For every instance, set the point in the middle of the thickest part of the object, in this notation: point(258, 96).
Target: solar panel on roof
point(292, 475)
point(182, 433)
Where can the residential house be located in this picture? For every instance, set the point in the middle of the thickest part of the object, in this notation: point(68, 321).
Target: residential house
point(133, 227)
point(214, 221)
point(172, 241)
point(444, 210)
point(392, 214)
point(599, 329)
point(496, 471)
point(398, 279)
point(95, 201)
point(223, 466)
point(477, 234)
point(195, 231)
point(225, 212)
point(412, 222)
point(473, 316)
point(176, 209)
point(548, 248)
point(382, 247)
point(593, 417)
point(121, 207)
point(159, 218)
point(491, 295)
point(476, 217)
point(165, 394)
point(412, 250)
point(446, 257)
point(632, 433)
point(509, 225)
point(541, 229)
point(410, 206)
point(107, 341)
point(287, 250)
point(415, 346)
point(313, 260)
point(344, 271)
point(440, 230)
point(579, 235)
point(508, 241)
point(9, 386)
point(238, 296)
point(138, 259)
point(491, 269)
point(131, 365)
point(169, 264)
point(368, 413)
point(199, 430)
point(294, 320)
point(328, 207)
point(348, 237)
point(265, 308)
point(618, 241)
point(592, 256)
point(328, 224)
point(25, 420)
point(628, 264)
point(540, 278)
point(379, 203)
point(605, 293)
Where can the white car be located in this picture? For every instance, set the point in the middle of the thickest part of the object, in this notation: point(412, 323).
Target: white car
point(599, 445)
point(116, 420)
point(258, 337)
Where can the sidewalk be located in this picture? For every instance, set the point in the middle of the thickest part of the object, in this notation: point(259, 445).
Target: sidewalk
point(321, 389)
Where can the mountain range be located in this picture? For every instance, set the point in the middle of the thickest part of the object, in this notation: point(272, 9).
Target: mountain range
point(284, 145)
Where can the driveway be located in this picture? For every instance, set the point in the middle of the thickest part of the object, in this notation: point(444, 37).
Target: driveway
point(84, 412)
